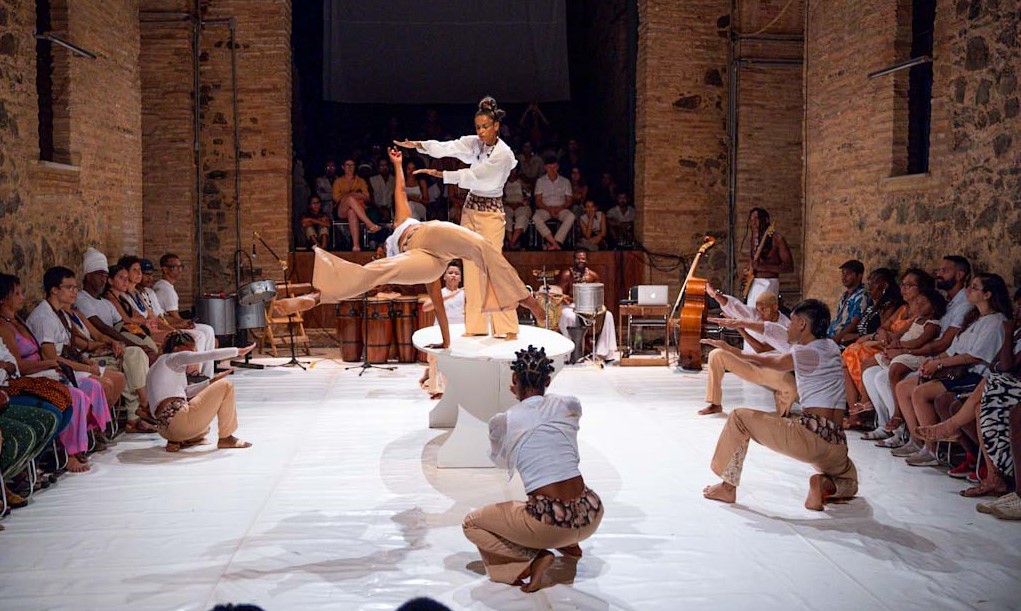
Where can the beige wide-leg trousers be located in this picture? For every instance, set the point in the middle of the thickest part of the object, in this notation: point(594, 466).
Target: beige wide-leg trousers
point(428, 251)
point(216, 400)
point(782, 383)
point(786, 436)
point(509, 539)
point(491, 226)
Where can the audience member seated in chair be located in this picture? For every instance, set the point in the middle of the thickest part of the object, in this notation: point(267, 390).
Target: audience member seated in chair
point(963, 365)
point(620, 220)
point(601, 322)
point(894, 363)
point(453, 302)
point(324, 187)
point(853, 303)
point(350, 194)
point(553, 201)
point(315, 224)
point(417, 189)
point(183, 413)
point(516, 209)
point(764, 329)
point(592, 224)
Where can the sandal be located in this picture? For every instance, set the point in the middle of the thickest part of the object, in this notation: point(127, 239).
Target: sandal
point(860, 408)
point(987, 487)
point(943, 431)
point(894, 423)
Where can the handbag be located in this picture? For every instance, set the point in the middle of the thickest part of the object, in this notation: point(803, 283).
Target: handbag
point(947, 374)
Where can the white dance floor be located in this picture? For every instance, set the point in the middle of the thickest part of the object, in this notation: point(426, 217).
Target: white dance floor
point(339, 505)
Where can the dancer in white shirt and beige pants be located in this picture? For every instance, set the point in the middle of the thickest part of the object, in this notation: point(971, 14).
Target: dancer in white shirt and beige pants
point(490, 163)
point(538, 438)
point(183, 413)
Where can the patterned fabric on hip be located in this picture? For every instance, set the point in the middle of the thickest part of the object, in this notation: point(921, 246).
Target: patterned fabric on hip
point(1002, 392)
point(830, 432)
point(575, 513)
point(166, 411)
point(483, 204)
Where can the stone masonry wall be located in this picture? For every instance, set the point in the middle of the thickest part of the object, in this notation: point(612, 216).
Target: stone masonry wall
point(50, 213)
point(970, 203)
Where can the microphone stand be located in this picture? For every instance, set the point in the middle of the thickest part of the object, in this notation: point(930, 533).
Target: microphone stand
point(365, 342)
point(294, 362)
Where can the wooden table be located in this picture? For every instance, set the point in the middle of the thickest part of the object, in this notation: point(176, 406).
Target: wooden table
point(629, 314)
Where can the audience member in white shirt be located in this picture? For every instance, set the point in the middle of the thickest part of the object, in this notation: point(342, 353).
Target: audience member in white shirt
point(516, 208)
point(453, 302)
point(553, 200)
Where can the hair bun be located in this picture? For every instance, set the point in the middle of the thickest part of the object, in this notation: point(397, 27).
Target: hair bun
point(488, 106)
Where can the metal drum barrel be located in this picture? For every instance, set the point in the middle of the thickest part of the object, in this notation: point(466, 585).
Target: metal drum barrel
point(217, 312)
point(252, 316)
point(588, 297)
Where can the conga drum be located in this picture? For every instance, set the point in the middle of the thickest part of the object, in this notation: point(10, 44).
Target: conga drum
point(379, 329)
point(349, 329)
point(425, 319)
point(405, 323)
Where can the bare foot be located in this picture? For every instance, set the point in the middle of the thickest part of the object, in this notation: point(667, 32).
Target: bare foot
point(536, 572)
point(723, 492)
point(572, 551)
point(76, 465)
point(820, 487)
point(232, 443)
point(510, 337)
point(710, 409)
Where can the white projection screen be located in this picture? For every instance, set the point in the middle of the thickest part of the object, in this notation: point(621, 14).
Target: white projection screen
point(444, 51)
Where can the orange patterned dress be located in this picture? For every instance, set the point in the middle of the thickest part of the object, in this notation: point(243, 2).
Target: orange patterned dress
point(859, 352)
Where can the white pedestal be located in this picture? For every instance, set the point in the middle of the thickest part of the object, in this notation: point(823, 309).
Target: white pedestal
point(478, 386)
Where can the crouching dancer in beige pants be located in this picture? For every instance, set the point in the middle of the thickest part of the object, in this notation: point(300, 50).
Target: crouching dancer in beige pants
point(815, 436)
point(538, 437)
point(183, 413)
point(418, 253)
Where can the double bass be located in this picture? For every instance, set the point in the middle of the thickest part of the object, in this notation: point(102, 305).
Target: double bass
point(693, 314)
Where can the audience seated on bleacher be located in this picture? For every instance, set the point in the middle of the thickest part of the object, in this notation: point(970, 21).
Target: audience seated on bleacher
point(553, 201)
point(530, 165)
point(620, 220)
point(592, 227)
point(315, 224)
point(324, 187)
point(579, 191)
point(350, 196)
point(381, 185)
point(416, 188)
point(516, 208)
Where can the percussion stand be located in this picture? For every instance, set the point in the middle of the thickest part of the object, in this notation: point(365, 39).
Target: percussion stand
point(365, 342)
point(590, 325)
point(294, 362)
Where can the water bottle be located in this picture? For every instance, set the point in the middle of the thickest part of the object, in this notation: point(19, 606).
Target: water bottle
point(638, 340)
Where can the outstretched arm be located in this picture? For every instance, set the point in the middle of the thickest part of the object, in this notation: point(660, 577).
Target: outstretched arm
point(436, 296)
point(402, 211)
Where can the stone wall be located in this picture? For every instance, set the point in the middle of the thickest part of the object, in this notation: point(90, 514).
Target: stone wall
point(969, 202)
point(263, 58)
point(50, 213)
point(681, 167)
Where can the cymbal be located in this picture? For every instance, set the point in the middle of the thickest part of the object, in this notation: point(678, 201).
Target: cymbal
point(538, 273)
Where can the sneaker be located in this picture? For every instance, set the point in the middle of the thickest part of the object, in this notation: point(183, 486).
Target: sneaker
point(906, 450)
point(877, 434)
point(979, 474)
point(962, 470)
point(987, 506)
point(1008, 510)
point(923, 458)
point(898, 439)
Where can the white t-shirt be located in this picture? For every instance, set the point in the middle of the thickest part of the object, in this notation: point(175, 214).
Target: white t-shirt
point(982, 340)
point(555, 194)
point(617, 216)
point(167, 295)
point(819, 374)
point(957, 310)
point(383, 191)
point(101, 308)
point(47, 327)
point(513, 193)
point(539, 438)
point(167, 377)
point(153, 300)
point(393, 243)
point(453, 306)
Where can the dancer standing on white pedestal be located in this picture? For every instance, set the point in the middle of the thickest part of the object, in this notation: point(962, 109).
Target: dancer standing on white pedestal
point(490, 163)
point(538, 438)
point(418, 253)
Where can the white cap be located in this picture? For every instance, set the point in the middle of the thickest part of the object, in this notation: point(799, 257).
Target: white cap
point(95, 261)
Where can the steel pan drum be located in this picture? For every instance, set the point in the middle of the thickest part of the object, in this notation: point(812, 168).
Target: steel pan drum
point(217, 312)
point(251, 316)
point(588, 297)
point(259, 291)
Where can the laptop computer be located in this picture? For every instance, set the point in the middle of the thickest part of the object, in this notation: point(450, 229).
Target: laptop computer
point(655, 294)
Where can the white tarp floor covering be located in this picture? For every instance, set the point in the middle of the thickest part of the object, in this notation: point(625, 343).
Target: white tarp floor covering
point(339, 505)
